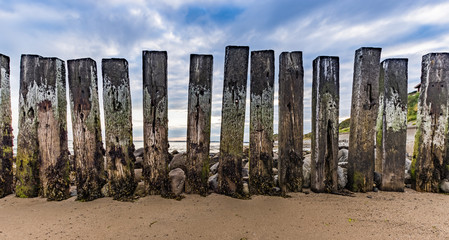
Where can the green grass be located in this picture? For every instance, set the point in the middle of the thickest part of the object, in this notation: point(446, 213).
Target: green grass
point(412, 103)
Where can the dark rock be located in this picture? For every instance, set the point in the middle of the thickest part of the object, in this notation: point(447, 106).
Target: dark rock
point(407, 177)
point(369, 196)
point(377, 179)
point(177, 178)
point(375, 189)
point(179, 161)
point(214, 159)
point(139, 152)
point(138, 163)
point(343, 164)
point(174, 152)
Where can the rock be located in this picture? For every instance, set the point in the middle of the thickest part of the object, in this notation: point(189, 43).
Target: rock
point(375, 189)
point(276, 180)
point(444, 186)
point(407, 177)
point(245, 170)
point(245, 152)
point(306, 168)
point(342, 177)
point(177, 178)
point(408, 185)
point(138, 175)
point(73, 191)
point(138, 152)
point(276, 191)
point(174, 152)
point(138, 163)
point(275, 171)
point(214, 168)
point(106, 190)
point(343, 155)
point(343, 164)
point(408, 164)
point(377, 179)
point(140, 190)
point(275, 159)
point(214, 159)
point(245, 188)
point(179, 161)
point(213, 182)
point(244, 162)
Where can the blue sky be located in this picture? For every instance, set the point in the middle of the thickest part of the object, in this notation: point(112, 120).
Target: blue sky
point(120, 28)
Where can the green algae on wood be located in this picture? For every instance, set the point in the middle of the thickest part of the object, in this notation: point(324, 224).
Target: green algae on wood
point(198, 123)
point(261, 123)
point(52, 130)
point(325, 110)
point(118, 125)
point(6, 134)
point(155, 122)
point(233, 121)
point(365, 100)
point(290, 141)
point(392, 127)
point(86, 127)
point(431, 141)
point(28, 158)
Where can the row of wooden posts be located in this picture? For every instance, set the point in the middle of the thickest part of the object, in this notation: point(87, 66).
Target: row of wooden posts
point(379, 96)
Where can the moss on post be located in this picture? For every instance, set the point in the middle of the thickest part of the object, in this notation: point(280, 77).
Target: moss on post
point(392, 131)
point(6, 135)
point(118, 123)
point(365, 100)
point(430, 156)
point(27, 159)
point(198, 123)
point(233, 121)
point(325, 108)
point(155, 122)
point(261, 123)
point(52, 130)
point(87, 140)
point(291, 94)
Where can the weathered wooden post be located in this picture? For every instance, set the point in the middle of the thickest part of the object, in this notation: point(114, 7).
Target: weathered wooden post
point(325, 106)
point(52, 129)
point(365, 94)
point(261, 122)
point(28, 158)
point(118, 123)
point(291, 96)
point(6, 153)
point(392, 130)
point(233, 121)
point(430, 158)
point(87, 141)
point(155, 122)
point(198, 123)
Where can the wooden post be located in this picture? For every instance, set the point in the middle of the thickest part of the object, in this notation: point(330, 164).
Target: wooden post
point(430, 158)
point(198, 123)
point(325, 106)
point(28, 158)
point(291, 96)
point(365, 94)
point(261, 122)
point(52, 130)
point(87, 142)
point(155, 122)
point(119, 133)
point(233, 121)
point(392, 132)
point(6, 144)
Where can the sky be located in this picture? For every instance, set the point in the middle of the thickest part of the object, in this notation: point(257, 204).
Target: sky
point(123, 29)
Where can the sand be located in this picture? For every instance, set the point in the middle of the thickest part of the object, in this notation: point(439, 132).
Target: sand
point(381, 215)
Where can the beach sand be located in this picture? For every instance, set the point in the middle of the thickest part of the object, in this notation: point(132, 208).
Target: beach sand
point(381, 215)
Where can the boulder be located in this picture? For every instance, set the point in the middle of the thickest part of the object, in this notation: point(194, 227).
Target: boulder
point(177, 178)
point(138, 163)
point(377, 179)
point(408, 164)
point(306, 168)
point(407, 177)
point(343, 155)
point(343, 164)
point(214, 168)
point(342, 177)
point(245, 170)
point(213, 182)
point(138, 152)
point(179, 161)
point(138, 175)
point(215, 158)
point(275, 171)
point(140, 190)
point(444, 186)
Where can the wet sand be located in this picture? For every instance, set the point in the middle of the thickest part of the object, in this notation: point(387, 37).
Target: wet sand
point(381, 215)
